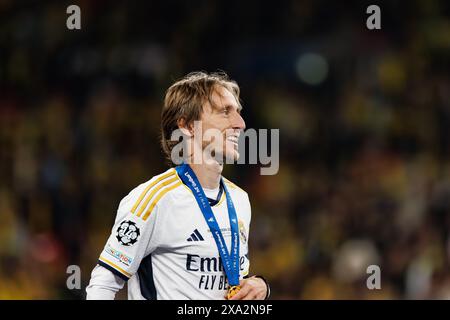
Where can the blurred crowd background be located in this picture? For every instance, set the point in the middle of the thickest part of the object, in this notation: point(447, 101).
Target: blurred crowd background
point(364, 119)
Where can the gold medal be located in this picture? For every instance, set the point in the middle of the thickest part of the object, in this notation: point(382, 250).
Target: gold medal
point(232, 290)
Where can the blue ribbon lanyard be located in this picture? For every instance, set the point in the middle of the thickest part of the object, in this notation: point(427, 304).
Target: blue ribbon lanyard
point(230, 260)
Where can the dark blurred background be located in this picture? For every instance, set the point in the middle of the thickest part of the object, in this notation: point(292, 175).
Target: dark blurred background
point(364, 119)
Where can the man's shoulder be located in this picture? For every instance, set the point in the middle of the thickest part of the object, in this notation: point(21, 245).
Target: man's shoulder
point(149, 193)
point(234, 187)
point(240, 198)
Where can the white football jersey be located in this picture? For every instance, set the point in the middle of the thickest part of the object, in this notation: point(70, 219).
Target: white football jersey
point(162, 244)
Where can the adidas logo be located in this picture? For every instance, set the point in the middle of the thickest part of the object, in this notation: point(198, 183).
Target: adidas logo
point(195, 236)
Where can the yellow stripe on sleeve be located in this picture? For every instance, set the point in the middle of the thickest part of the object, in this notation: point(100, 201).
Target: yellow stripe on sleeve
point(154, 191)
point(163, 192)
point(115, 266)
point(171, 173)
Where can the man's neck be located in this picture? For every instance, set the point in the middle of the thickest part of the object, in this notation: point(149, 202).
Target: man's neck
point(208, 174)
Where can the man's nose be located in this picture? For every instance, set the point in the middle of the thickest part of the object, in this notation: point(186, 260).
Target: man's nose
point(238, 122)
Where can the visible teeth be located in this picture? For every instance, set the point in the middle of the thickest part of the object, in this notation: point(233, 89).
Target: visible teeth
point(233, 139)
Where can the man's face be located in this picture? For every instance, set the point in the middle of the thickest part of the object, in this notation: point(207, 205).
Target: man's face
point(223, 116)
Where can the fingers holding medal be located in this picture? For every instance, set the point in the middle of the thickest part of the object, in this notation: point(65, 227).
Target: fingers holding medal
point(252, 288)
point(232, 290)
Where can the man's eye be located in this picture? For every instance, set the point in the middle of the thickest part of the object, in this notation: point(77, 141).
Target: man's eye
point(226, 110)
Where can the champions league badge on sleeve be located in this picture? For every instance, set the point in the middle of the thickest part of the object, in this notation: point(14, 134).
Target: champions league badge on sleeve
point(128, 233)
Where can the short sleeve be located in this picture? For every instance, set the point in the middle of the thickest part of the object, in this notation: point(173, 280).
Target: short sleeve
point(133, 236)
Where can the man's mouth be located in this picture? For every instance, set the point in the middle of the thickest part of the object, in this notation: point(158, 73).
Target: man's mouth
point(234, 139)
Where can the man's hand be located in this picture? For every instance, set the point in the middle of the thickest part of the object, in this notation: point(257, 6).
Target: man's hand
point(252, 288)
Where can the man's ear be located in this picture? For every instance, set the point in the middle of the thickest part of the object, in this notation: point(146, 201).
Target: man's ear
point(187, 130)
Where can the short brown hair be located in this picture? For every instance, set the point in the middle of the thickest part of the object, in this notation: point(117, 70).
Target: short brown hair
point(185, 100)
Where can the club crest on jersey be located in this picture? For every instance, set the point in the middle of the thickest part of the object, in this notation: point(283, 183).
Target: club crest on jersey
point(242, 232)
point(128, 233)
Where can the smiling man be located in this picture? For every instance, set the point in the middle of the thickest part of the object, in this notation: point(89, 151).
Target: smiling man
point(184, 233)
